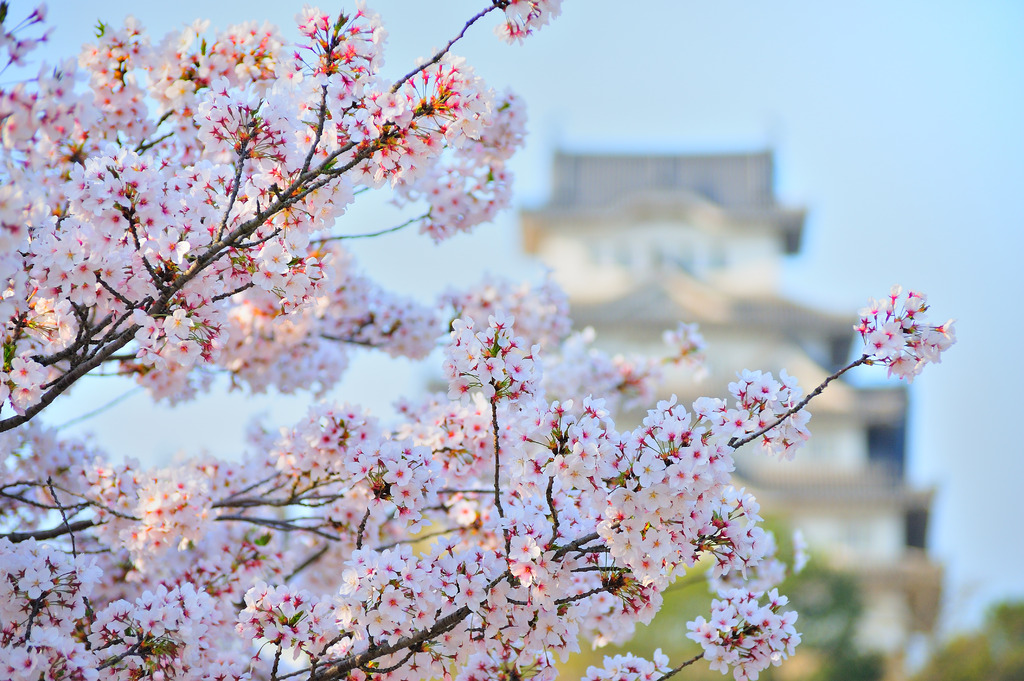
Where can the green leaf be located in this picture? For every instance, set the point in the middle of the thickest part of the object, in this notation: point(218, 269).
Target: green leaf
point(262, 540)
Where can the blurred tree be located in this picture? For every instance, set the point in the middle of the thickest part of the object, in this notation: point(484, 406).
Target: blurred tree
point(830, 604)
point(996, 653)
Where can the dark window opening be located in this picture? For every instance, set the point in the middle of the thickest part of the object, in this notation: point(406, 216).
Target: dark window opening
point(917, 528)
point(887, 447)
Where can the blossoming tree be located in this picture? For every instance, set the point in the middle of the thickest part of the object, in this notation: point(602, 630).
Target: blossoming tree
point(173, 210)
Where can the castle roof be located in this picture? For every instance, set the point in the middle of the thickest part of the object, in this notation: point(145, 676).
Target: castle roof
point(737, 187)
point(743, 180)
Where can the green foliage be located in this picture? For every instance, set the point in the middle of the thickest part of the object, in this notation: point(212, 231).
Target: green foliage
point(996, 653)
point(684, 600)
point(829, 603)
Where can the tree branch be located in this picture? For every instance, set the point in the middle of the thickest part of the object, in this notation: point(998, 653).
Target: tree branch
point(339, 669)
point(59, 531)
point(737, 443)
point(369, 235)
point(100, 409)
point(669, 675)
point(306, 563)
point(444, 50)
point(66, 381)
point(497, 458)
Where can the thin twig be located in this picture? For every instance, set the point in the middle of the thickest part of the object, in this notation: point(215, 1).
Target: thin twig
point(134, 649)
point(112, 291)
point(228, 294)
point(99, 410)
point(669, 675)
point(243, 156)
point(417, 538)
point(226, 503)
point(275, 524)
point(385, 670)
point(444, 50)
point(369, 235)
point(256, 242)
point(37, 607)
point(146, 146)
point(309, 561)
point(580, 597)
point(63, 516)
point(736, 444)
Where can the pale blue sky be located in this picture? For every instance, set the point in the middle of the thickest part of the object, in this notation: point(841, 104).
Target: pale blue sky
point(900, 126)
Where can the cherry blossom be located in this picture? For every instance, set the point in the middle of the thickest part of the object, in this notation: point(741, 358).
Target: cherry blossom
point(896, 334)
point(630, 668)
point(171, 210)
point(523, 17)
point(745, 636)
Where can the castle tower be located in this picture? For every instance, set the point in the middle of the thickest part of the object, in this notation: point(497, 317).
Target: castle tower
point(641, 243)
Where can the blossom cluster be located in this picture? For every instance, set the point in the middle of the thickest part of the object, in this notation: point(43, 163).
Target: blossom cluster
point(56, 584)
point(309, 348)
point(629, 667)
point(174, 506)
point(540, 312)
point(688, 347)
point(45, 596)
point(164, 633)
point(494, 360)
point(354, 467)
point(473, 183)
point(291, 619)
point(896, 334)
point(676, 503)
point(147, 513)
point(576, 366)
point(185, 200)
point(44, 592)
point(168, 211)
point(523, 17)
point(763, 406)
point(744, 635)
point(769, 572)
point(17, 47)
point(626, 382)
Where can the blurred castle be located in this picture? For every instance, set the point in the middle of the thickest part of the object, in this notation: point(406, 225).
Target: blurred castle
point(640, 243)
